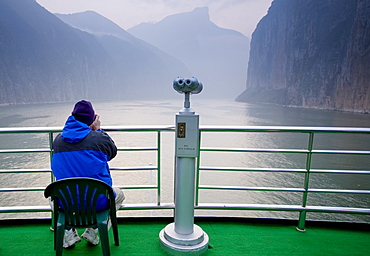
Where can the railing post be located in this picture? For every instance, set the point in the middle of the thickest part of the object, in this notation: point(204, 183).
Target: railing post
point(197, 173)
point(302, 214)
point(52, 178)
point(51, 140)
point(158, 168)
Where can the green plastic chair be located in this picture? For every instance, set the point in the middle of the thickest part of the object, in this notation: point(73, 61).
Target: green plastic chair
point(78, 197)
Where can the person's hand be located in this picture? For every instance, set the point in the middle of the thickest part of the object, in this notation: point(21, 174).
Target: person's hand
point(96, 124)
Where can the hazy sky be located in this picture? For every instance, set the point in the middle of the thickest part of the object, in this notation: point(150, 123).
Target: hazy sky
point(240, 15)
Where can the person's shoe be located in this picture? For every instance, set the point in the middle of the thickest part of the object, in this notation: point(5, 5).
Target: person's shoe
point(91, 236)
point(70, 238)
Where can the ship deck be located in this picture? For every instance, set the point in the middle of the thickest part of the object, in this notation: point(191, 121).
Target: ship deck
point(228, 236)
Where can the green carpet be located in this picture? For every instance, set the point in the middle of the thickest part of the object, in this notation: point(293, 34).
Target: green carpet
point(226, 238)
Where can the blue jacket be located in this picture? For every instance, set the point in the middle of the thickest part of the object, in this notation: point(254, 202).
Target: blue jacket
point(82, 152)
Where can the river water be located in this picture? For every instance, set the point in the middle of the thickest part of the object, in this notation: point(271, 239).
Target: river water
point(212, 112)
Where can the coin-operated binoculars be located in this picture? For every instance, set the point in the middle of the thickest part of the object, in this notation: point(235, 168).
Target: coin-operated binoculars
point(183, 236)
point(187, 86)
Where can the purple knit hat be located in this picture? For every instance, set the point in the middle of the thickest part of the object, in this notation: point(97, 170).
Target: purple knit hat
point(84, 112)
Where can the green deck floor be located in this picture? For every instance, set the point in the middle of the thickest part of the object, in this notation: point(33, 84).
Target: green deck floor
point(140, 237)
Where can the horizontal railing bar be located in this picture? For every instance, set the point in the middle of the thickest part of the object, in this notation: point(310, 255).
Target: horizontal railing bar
point(351, 152)
point(255, 150)
point(236, 169)
point(252, 169)
point(30, 130)
point(207, 206)
point(43, 188)
point(147, 206)
point(251, 188)
point(47, 208)
point(140, 128)
point(13, 209)
point(287, 151)
point(138, 187)
point(338, 209)
point(137, 149)
point(344, 191)
point(127, 128)
point(205, 128)
point(269, 207)
point(48, 150)
point(25, 150)
point(25, 171)
point(22, 189)
point(136, 168)
point(299, 129)
point(340, 171)
point(212, 206)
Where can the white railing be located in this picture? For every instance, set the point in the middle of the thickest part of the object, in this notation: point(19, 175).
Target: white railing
point(305, 190)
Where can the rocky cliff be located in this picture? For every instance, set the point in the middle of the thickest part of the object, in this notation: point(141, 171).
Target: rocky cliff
point(312, 53)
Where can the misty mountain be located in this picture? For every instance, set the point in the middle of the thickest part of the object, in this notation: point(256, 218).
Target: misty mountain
point(151, 70)
point(42, 59)
point(216, 56)
point(313, 53)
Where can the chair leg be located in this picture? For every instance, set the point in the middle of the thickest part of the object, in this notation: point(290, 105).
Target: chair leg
point(115, 232)
point(104, 238)
point(59, 236)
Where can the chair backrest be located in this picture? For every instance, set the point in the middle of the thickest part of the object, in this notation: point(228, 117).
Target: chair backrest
point(77, 198)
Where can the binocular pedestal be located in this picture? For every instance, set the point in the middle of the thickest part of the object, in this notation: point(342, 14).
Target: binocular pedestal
point(174, 243)
point(183, 237)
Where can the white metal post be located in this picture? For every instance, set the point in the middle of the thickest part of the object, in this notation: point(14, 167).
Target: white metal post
point(183, 236)
point(184, 195)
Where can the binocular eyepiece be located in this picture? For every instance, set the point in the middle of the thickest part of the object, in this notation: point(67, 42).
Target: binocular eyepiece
point(187, 85)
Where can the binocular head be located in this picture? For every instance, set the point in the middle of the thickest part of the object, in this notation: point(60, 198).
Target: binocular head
point(187, 85)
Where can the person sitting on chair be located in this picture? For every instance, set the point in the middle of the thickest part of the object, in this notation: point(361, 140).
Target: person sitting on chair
point(83, 150)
